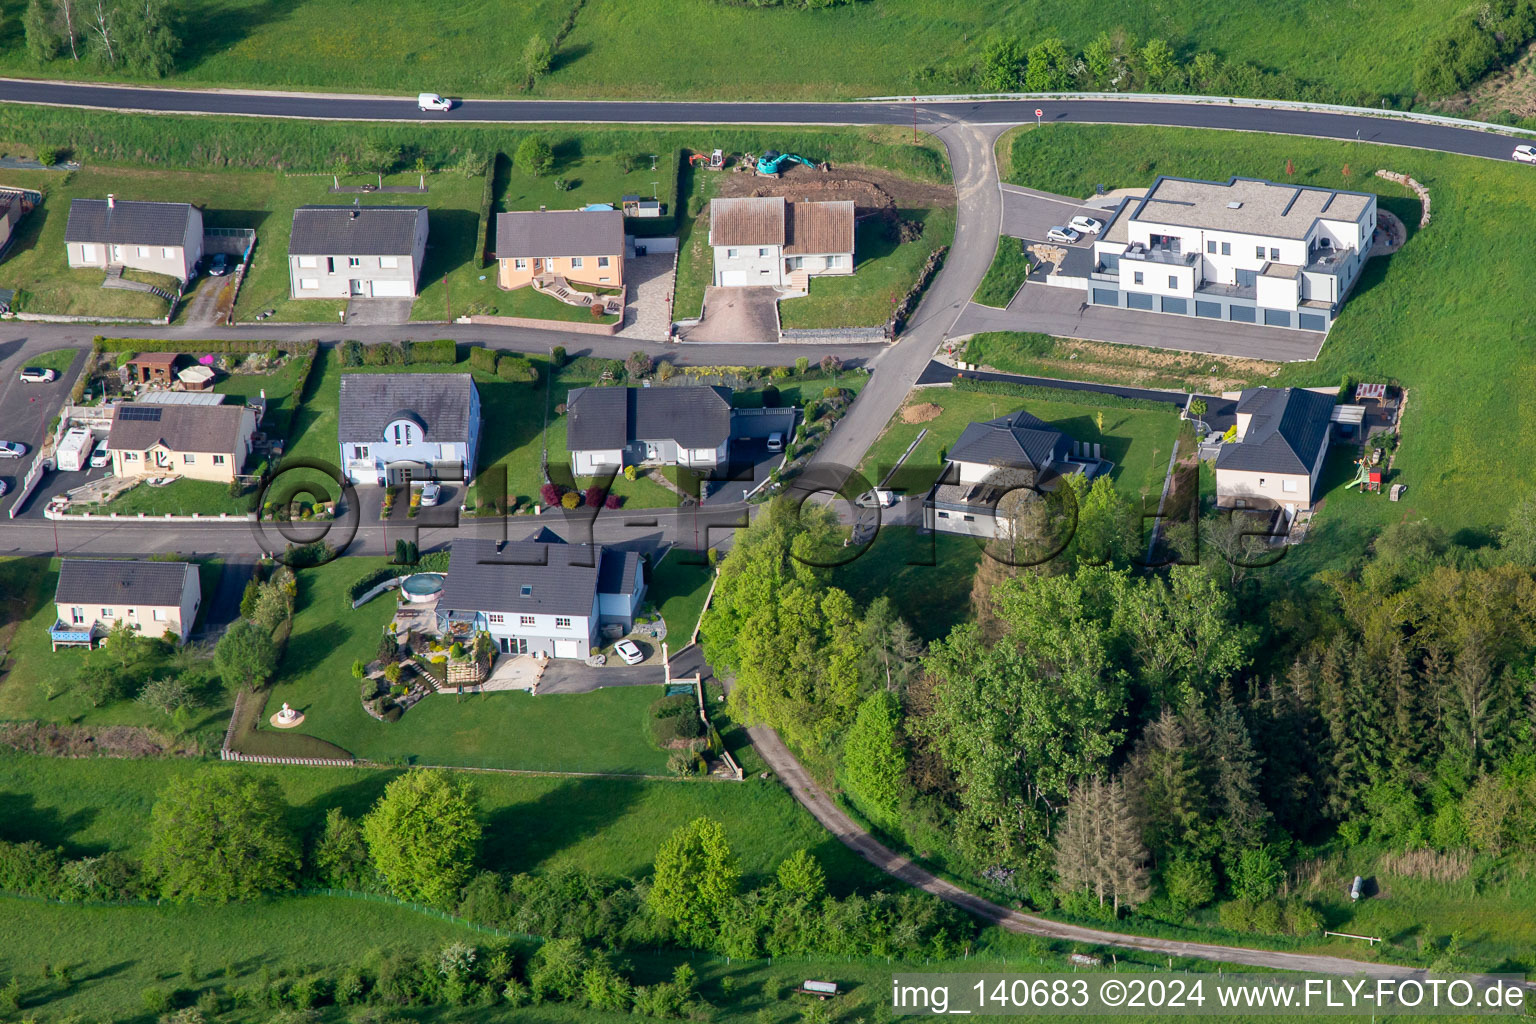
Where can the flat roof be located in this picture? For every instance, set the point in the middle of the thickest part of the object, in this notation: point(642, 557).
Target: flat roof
point(1247, 206)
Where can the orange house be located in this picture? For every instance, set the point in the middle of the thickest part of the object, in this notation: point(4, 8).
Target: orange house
point(586, 247)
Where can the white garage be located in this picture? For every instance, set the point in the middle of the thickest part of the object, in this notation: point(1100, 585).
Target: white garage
point(393, 289)
point(733, 278)
point(567, 648)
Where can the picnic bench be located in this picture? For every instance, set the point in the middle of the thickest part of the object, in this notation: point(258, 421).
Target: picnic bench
point(819, 989)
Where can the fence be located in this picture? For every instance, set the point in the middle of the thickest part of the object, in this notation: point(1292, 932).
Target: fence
point(312, 762)
point(28, 483)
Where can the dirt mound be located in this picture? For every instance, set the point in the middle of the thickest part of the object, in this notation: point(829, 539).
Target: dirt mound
point(922, 412)
point(871, 190)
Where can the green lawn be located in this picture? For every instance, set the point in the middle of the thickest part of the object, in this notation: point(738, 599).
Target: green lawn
point(926, 576)
point(879, 47)
point(1438, 316)
point(1006, 274)
point(37, 267)
point(1040, 355)
point(58, 359)
point(884, 271)
point(39, 683)
point(677, 589)
point(529, 303)
point(179, 497)
point(533, 823)
point(1137, 441)
point(602, 731)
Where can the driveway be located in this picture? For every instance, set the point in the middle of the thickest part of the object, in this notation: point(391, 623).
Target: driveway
point(649, 280)
point(26, 409)
point(568, 675)
point(378, 312)
point(200, 306)
point(751, 464)
point(738, 315)
point(1028, 213)
point(1064, 313)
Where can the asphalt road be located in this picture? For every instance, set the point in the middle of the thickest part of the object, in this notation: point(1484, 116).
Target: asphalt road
point(1321, 124)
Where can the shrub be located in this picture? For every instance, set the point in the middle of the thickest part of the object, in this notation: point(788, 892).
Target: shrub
point(156, 999)
point(630, 472)
point(685, 763)
point(594, 496)
point(550, 494)
point(557, 357)
point(569, 500)
point(611, 502)
point(482, 359)
point(535, 156)
point(802, 365)
point(516, 368)
point(438, 352)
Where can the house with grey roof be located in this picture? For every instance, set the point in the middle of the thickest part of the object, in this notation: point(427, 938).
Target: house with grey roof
point(199, 442)
point(1012, 455)
point(768, 240)
point(585, 247)
point(1277, 456)
point(1244, 250)
point(424, 425)
point(95, 594)
point(539, 598)
point(356, 252)
point(608, 428)
point(162, 238)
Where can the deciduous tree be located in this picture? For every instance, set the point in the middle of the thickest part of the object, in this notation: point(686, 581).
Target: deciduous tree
point(423, 835)
point(245, 655)
point(695, 881)
point(219, 835)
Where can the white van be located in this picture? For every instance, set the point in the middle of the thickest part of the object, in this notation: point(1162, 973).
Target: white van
point(432, 101)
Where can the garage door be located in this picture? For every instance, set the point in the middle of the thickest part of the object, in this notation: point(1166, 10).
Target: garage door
point(1106, 297)
point(733, 278)
point(392, 289)
point(567, 648)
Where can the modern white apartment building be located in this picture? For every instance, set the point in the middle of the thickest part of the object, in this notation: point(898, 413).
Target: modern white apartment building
point(1245, 250)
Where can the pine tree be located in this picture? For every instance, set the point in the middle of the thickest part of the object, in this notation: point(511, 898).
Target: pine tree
point(1470, 711)
point(1243, 814)
point(1077, 839)
point(1405, 743)
point(1124, 858)
point(1167, 789)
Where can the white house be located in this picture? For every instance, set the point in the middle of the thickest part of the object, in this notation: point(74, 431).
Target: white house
point(422, 424)
point(162, 238)
point(770, 241)
point(609, 428)
point(1010, 455)
point(537, 597)
point(95, 594)
point(1278, 454)
point(1244, 250)
point(345, 252)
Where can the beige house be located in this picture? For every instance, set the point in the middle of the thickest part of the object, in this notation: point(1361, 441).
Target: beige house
point(586, 247)
point(768, 241)
point(1277, 456)
point(162, 238)
point(199, 442)
point(94, 595)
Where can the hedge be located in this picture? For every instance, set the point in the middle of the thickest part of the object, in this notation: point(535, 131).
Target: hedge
point(371, 579)
point(516, 368)
point(482, 359)
point(1062, 396)
point(487, 197)
point(441, 352)
point(238, 347)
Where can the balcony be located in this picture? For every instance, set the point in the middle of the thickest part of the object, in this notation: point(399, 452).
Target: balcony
point(1167, 257)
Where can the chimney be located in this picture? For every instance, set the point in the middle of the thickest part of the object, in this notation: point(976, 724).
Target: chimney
point(354, 215)
point(111, 201)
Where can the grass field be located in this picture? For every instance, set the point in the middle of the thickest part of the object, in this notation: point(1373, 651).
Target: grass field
point(1443, 316)
point(875, 48)
point(1005, 276)
point(57, 359)
point(179, 497)
point(533, 823)
point(1041, 355)
point(927, 577)
point(678, 589)
point(1137, 441)
point(39, 683)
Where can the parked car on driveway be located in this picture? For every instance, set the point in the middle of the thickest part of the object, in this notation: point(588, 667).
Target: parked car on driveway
point(12, 449)
point(38, 375)
point(219, 265)
point(1526, 154)
point(876, 499)
point(629, 651)
point(1088, 224)
point(99, 455)
point(775, 442)
point(432, 101)
point(431, 494)
point(1062, 234)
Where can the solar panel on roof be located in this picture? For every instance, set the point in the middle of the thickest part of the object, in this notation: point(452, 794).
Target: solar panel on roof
point(147, 413)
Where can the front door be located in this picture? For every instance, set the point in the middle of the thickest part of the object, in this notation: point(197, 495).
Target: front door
point(357, 287)
point(117, 254)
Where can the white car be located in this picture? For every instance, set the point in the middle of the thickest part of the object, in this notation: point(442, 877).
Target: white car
point(876, 499)
point(775, 442)
point(12, 449)
point(1088, 224)
point(1062, 234)
point(38, 375)
point(431, 494)
point(629, 651)
point(1526, 154)
point(432, 101)
point(99, 455)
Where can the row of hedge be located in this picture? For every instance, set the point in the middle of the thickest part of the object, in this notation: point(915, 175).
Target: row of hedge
point(440, 352)
point(235, 346)
point(507, 365)
point(487, 197)
point(1062, 396)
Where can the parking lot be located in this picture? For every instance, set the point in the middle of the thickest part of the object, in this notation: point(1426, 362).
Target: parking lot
point(27, 409)
point(1030, 214)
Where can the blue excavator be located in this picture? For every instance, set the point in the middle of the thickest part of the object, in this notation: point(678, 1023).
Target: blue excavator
point(772, 162)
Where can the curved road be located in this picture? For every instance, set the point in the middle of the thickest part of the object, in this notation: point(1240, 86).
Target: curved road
point(969, 131)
